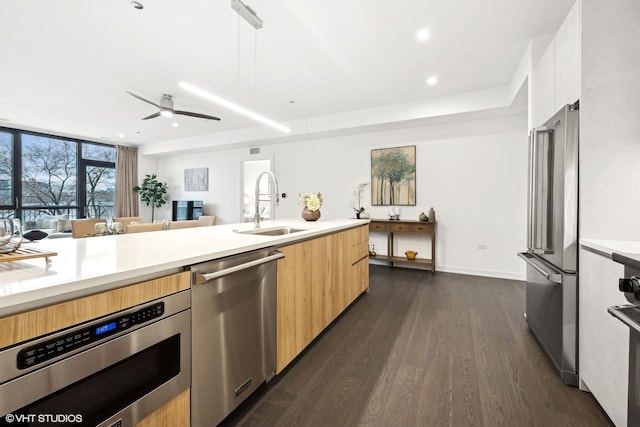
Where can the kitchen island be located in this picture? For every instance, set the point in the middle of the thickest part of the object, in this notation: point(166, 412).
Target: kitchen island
point(126, 284)
point(91, 265)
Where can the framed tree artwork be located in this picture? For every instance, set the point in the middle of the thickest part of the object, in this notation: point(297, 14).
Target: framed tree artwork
point(393, 176)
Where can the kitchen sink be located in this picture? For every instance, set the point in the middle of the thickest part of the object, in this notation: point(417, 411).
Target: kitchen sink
point(279, 231)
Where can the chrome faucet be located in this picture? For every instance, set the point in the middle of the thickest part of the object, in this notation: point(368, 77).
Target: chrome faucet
point(256, 215)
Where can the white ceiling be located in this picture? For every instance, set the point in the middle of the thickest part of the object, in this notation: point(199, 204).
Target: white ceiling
point(65, 65)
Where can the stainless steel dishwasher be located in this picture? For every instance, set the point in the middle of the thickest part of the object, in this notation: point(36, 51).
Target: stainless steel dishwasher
point(234, 332)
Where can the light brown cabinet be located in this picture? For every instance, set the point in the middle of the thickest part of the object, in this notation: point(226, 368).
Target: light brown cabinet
point(317, 280)
point(358, 241)
point(174, 413)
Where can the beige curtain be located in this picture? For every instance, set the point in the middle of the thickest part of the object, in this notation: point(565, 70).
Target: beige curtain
point(126, 178)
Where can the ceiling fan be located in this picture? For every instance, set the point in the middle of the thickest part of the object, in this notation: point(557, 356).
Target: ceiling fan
point(166, 108)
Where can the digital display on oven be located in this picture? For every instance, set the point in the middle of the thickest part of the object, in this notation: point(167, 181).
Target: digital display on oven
point(84, 336)
point(105, 328)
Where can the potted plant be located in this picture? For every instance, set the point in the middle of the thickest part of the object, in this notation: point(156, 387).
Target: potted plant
point(152, 192)
point(357, 195)
point(312, 203)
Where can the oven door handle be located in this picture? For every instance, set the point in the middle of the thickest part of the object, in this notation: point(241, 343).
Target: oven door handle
point(202, 278)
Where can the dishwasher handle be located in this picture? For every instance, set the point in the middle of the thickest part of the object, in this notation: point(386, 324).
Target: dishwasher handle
point(202, 278)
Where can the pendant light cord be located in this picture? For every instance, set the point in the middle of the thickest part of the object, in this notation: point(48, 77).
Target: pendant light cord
point(238, 44)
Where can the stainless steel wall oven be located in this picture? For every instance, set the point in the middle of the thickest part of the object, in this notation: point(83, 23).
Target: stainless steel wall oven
point(110, 371)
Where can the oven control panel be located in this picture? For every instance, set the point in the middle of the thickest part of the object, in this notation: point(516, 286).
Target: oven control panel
point(83, 336)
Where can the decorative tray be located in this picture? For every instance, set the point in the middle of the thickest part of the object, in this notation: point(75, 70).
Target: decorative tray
point(23, 253)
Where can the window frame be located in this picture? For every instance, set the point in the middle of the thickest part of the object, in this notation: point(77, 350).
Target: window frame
point(81, 164)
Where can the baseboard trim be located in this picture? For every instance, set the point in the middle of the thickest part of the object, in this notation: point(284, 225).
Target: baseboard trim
point(483, 273)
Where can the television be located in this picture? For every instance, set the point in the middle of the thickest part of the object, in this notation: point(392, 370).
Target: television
point(186, 209)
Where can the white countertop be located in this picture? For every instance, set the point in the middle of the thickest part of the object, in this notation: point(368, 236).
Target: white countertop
point(90, 265)
point(608, 247)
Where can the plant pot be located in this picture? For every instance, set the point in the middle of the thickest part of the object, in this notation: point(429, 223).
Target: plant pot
point(308, 215)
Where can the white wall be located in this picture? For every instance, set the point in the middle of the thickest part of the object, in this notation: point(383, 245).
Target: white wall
point(609, 188)
point(610, 120)
point(472, 172)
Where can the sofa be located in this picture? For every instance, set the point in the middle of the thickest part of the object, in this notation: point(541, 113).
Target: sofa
point(54, 225)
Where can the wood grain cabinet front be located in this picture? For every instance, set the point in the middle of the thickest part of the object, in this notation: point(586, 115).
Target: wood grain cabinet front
point(395, 226)
point(174, 413)
point(377, 226)
point(421, 228)
point(317, 280)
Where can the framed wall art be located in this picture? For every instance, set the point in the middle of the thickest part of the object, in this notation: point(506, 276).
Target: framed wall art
point(196, 179)
point(393, 176)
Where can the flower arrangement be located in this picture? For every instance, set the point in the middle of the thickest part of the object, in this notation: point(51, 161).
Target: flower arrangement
point(311, 201)
point(357, 194)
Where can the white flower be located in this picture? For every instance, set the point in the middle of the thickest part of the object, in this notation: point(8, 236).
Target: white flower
point(357, 195)
point(311, 201)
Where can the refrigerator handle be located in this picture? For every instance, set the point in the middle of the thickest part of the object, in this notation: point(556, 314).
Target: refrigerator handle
point(535, 226)
point(539, 186)
point(550, 276)
point(532, 181)
point(548, 185)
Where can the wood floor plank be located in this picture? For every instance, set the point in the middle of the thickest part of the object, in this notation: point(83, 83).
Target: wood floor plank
point(424, 350)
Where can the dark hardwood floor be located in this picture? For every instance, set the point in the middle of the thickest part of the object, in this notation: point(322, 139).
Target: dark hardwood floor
point(424, 350)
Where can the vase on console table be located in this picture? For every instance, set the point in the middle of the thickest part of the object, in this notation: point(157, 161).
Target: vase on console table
point(309, 215)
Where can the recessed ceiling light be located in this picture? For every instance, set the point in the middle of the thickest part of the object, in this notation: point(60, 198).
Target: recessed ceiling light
point(231, 106)
point(422, 35)
point(175, 125)
point(432, 80)
point(121, 135)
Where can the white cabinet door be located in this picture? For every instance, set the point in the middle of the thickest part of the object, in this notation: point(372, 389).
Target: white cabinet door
point(543, 92)
point(604, 340)
point(555, 80)
point(567, 60)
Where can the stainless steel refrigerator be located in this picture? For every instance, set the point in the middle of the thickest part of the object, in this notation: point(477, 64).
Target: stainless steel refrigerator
point(552, 240)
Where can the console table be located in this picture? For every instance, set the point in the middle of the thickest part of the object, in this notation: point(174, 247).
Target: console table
point(405, 226)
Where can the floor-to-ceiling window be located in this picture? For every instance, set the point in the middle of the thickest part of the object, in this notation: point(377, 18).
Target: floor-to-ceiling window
point(97, 180)
point(6, 168)
point(49, 176)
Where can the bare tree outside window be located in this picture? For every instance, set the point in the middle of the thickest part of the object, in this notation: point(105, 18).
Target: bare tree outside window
point(100, 181)
point(49, 174)
point(6, 166)
point(104, 153)
point(55, 177)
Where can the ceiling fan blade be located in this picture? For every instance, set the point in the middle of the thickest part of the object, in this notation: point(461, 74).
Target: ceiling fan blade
point(153, 116)
point(201, 116)
point(144, 100)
